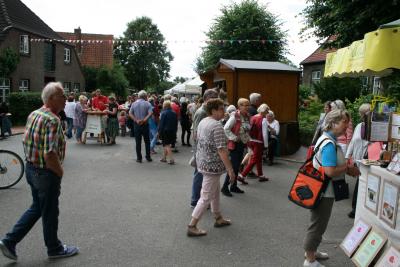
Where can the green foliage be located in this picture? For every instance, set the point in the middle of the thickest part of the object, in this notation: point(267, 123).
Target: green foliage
point(247, 20)
point(304, 92)
point(349, 20)
point(162, 86)
point(391, 85)
point(9, 60)
point(109, 80)
point(179, 79)
point(308, 119)
point(338, 88)
point(22, 104)
point(146, 65)
point(352, 107)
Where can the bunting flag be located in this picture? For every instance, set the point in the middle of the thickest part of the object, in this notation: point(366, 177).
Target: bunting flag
point(147, 42)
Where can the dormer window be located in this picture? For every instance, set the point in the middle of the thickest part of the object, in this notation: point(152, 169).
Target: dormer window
point(24, 44)
point(67, 55)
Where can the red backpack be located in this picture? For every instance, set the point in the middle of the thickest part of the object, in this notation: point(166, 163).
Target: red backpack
point(310, 184)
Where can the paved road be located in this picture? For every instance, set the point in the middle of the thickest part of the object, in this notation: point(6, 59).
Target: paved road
point(122, 213)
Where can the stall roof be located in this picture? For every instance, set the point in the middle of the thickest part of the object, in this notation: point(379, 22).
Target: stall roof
point(257, 65)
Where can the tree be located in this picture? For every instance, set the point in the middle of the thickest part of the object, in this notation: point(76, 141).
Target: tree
point(348, 20)
point(90, 74)
point(9, 60)
point(179, 79)
point(249, 32)
point(338, 88)
point(146, 61)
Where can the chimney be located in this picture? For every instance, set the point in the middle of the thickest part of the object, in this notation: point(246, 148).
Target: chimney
point(78, 36)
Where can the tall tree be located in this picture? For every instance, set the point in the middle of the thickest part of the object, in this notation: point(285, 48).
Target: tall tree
point(143, 54)
point(349, 20)
point(9, 60)
point(249, 32)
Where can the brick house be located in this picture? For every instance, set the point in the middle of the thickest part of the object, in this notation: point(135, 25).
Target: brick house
point(43, 57)
point(314, 64)
point(94, 50)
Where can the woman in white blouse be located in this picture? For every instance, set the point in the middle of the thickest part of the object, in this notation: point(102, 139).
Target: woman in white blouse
point(273, 130)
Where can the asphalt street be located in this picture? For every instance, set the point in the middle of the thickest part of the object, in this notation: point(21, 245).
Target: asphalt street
point(123, 213)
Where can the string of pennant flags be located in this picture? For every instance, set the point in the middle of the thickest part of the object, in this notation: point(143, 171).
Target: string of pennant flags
point(118, 41)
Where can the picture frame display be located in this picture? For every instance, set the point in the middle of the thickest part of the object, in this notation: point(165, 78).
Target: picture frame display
point(372, 192)
point(369, 248)
point(355, 236)
point(391, 258)
point(389, 203)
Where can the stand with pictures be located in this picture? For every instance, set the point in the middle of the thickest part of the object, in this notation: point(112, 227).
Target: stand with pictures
point(95, 125)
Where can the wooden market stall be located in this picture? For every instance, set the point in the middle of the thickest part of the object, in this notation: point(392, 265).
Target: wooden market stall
point(277, 83)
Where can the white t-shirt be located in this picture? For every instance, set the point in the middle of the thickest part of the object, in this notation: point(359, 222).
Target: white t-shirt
point(70, 109)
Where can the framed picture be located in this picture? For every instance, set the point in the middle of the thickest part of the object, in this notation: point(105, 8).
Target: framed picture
point(391, 258)
point(389, 203)
point(372, 192)
point(354, 238)
point(368, 250)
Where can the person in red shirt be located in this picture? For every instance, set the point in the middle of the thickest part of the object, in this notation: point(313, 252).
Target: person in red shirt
point(99, 101)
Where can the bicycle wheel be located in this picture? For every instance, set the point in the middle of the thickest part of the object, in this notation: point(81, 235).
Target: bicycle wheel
point(11, 169)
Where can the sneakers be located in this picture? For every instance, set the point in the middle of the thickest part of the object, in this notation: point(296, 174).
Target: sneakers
point(320, 255)
point(312, 264)
point(67, 251)
point(8, 251)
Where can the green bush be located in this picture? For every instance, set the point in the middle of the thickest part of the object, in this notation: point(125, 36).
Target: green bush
point(308, 119)
point(352, 108)
point(338, 88)
point(22, 104)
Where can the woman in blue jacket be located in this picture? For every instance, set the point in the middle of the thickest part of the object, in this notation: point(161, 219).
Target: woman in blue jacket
point(167, 131)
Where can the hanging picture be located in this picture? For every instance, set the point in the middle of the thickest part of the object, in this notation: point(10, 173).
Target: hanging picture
point(354, 238)
point(389, 203)
point(368, 250)
point(372, 192)
point(391, 258)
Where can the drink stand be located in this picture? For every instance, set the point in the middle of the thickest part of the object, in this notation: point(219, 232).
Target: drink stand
point(95, 124)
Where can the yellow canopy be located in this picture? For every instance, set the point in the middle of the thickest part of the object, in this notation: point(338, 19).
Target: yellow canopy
point(376, 55)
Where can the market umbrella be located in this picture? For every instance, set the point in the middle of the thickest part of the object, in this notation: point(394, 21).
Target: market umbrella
point(377, 54)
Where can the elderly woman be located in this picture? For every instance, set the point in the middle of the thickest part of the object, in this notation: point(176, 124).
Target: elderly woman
point(258, 139)
point(273, 134)
point(343, 140)
point(237, 130)
point(318, 130)
point(212, 159)
point(167, 130)
point(80, 117)
point(112, 128)
point(357, 149)
point(332, 160)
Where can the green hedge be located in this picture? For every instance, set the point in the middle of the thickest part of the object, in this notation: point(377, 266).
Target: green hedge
point(308, 119)
point(22, 104)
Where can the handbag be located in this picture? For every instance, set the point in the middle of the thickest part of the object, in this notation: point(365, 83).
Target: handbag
point(310, 184)
point(340, 189)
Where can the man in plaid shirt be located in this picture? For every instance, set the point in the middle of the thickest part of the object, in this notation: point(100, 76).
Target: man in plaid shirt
point(44, 146)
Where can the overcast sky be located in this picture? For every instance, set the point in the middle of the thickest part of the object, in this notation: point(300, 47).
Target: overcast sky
point(182, 22)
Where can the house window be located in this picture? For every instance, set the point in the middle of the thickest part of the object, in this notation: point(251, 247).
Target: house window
point(67, 87)
point(4, 89)
point(49, 57)
point(67, 55)
point(377, 85)
point(77, 87)
point(24, 44)
point(24, 85)
point(316, 76)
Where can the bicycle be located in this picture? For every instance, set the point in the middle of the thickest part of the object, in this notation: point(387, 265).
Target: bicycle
point(11, 169)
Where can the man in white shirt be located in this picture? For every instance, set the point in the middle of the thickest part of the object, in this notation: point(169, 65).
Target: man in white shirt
point(70, 113)
point(273, 131)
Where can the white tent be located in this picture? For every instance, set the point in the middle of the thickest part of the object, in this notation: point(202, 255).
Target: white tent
point(193, 86)
point(176, 89)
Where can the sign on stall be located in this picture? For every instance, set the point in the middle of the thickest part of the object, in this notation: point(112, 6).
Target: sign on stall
point(368, 250)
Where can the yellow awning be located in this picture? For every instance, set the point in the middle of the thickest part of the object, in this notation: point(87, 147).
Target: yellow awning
point(376, 54)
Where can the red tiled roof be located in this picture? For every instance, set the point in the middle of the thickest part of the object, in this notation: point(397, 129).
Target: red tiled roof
point(94, 53)
point(319, 55)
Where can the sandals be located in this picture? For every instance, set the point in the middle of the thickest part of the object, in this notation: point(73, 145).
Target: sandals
point(241, 179)
point(163, 160)
point(221, 222)
point(262, 178)
point(193, 231)
point(171, 162)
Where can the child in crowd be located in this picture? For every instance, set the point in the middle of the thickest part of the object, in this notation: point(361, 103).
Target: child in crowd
point(122, 123)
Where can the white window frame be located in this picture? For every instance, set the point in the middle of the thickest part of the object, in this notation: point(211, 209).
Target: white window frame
point(24, 44)
point(4, 89)
point(376, 85)
point(77, 89)
point(315, 76)
point(67, 55)
point(24, 85)
point(67, 89)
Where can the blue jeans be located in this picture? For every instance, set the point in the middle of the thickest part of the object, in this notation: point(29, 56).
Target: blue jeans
point(45, 187)
point(79, 131)
point(153, 138)
point(70, 125)
point(236, 157)
point(196, 187)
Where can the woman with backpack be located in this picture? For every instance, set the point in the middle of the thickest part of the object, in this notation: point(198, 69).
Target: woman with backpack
point(330, 157)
